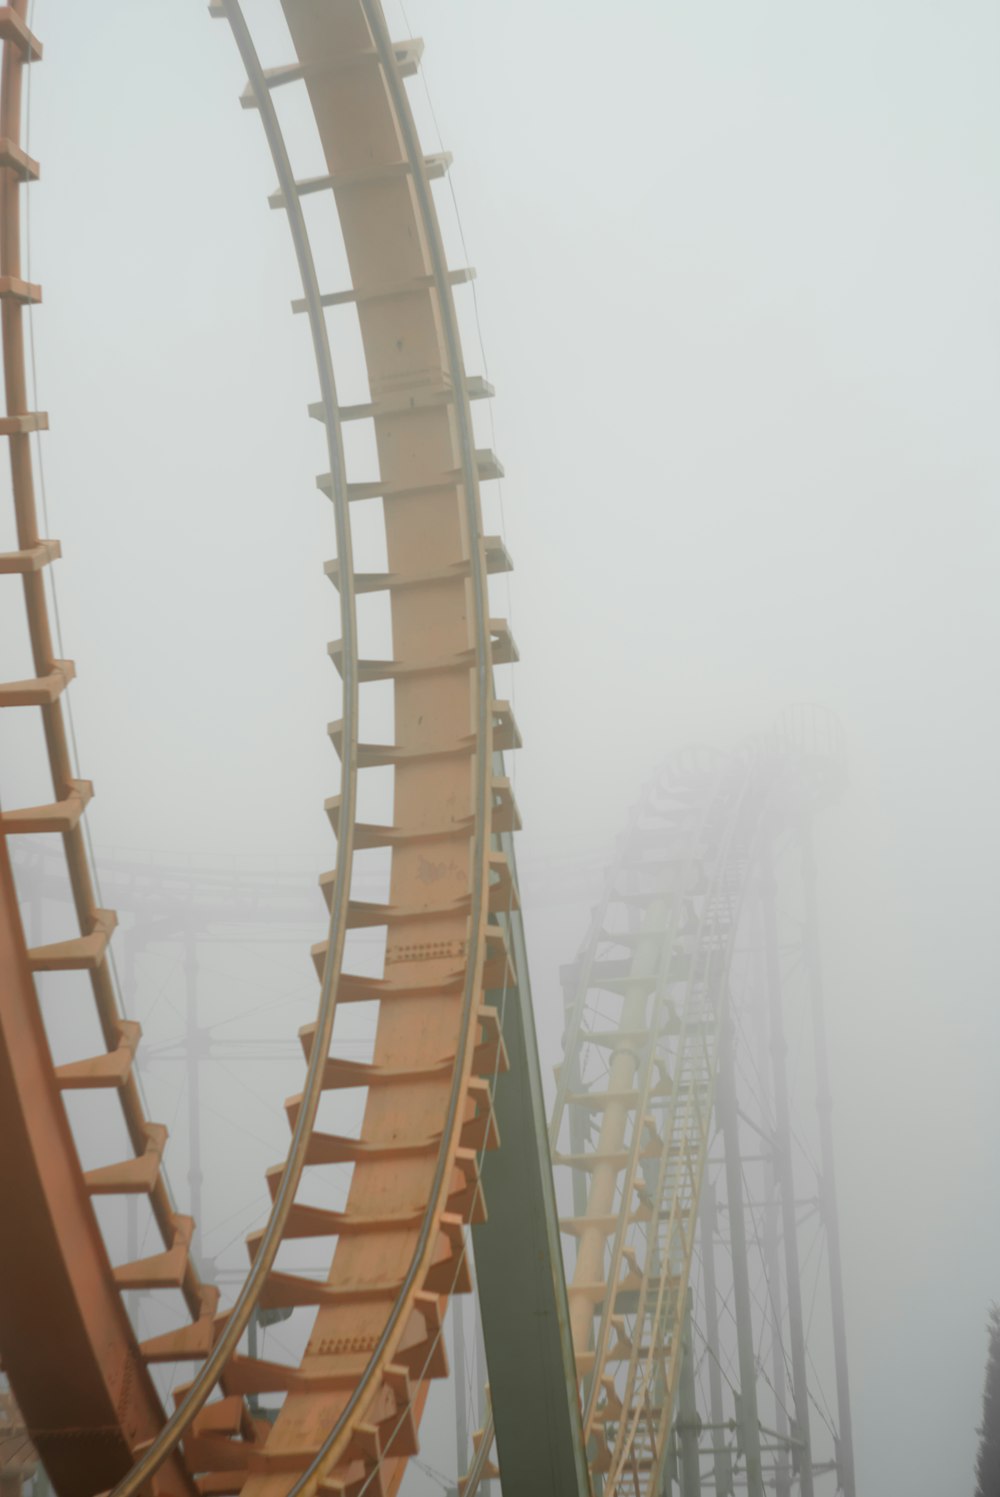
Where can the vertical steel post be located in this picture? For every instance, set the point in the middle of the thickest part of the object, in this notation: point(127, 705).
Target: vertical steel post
point(687, 1413)
point(458, 1372)
point(772, 1254)
point(782, 1466)
point(482, 1379)
point(722, 1462)
point(522, 1289)
point(253, 1351)
point(785, 1171)
point(827, 1180)
point(132, 1298)
point(729, 1120)
point(579, 1132)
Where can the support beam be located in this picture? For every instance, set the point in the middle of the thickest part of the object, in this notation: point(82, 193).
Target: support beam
point(722, 1461)
point(86, 1397)
point(458, 1372)
point(482, 1400)
point(772, 1252)
point(729, 1120)
point(522, 1291)
point(579, 1136)
point(827, 1179)
point(687, 1414)
point(785, 1171)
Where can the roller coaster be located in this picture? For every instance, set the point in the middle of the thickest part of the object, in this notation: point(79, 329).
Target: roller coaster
point(637, 1254)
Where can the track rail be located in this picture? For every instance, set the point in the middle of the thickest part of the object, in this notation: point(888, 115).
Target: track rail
point(649, 1016)
point(349, 1414)
point(350, 1410)
point(647, 993)
point(67, 1311)
point(649, 996)
point(660, 953)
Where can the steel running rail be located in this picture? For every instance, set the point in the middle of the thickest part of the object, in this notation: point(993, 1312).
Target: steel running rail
point(336, 1441)
point(354, 1448)
point(67, 1311)
point(348, 1421)
point(248, 1298)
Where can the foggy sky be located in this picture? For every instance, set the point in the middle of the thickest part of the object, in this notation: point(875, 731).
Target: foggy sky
point(738, 287)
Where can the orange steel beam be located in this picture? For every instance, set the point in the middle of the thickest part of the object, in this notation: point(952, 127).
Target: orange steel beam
point(443, 729)
point(520, 1279)
point(81, 1379)
point(85, 1394)
point(351, 1408)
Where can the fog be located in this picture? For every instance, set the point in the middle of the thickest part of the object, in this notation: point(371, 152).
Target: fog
point(738, 295)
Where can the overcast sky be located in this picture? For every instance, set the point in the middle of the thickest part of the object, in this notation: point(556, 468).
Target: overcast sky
point(739, 296)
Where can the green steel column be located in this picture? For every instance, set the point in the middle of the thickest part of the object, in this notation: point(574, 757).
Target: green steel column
point(722, 1462)
point(772, 1253)
point(802, 1455)
point(827, 1181)
point(458, 1372)
point(483, 1412)
point(729, 1121)
point(688, 1425)
point(577, 1117)
point(522, 1291)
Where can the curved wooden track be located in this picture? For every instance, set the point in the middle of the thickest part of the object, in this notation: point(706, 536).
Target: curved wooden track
point(647, 998)
point(350, 1409)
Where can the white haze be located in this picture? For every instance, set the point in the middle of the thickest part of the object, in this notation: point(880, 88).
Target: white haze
point(739, 293)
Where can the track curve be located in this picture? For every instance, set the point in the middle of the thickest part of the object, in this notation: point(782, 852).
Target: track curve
point(68, 1312)
point(350, 1409)
point(647, 1000)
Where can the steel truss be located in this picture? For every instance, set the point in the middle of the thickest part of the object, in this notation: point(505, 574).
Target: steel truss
point(680, 1179)
point(695, 1344)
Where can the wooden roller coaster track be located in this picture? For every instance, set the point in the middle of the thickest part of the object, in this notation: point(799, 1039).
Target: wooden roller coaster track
point(648, 994)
